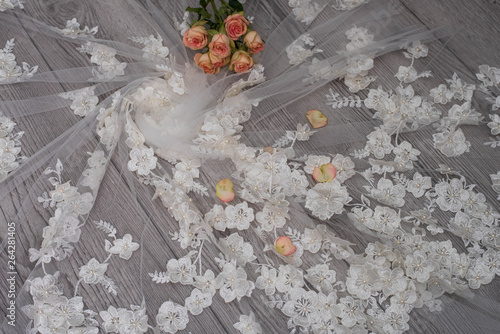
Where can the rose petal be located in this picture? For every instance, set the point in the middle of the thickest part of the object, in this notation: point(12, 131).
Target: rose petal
point(284, 246)
point(316, 118)
point(324, 173)
point(269, 149)
point(224, 190)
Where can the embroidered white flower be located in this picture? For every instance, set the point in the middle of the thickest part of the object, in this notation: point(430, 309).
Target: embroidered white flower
point(181, 270)
point(267, 280)
point(235, 248)
point(84, 100)
point(418, 50)
point(451, 143)
point(441, 94)
point(314, 161)
point(206, 283)
point(327, 199)
point(111, 318)
point(248, 325)
point(451, 195)
point(172, 317)
point(288, 278)
point(344, 166)
point(302, 307)
point(419, 185)
point(233, 283)
point(93, 271)
point(239, 216)
point(73, 30)
point(311, 240)
point(142, 160)
point(494, 125)
point(272, 217)
point(321, 277)
point(197, 301)
point(124, 247)
point(379, 143)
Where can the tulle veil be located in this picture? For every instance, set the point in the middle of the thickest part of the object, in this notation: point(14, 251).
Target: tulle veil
point(93, 153)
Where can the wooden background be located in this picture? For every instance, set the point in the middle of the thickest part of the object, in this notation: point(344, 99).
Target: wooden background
point(475, 43)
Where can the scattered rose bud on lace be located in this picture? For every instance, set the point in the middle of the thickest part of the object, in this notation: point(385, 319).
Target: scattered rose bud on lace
point(269, 149)
point(324, 173)
point(284, 246)
point(316, 118)
point(224, 190)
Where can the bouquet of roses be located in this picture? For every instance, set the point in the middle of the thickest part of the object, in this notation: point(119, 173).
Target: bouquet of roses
point(227, 39)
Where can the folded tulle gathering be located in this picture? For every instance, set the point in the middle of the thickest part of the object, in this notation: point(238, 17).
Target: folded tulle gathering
point(162, 192)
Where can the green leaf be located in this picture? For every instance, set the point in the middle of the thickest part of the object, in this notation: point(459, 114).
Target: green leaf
point(236, 5)
point(205, 14)
point(199, 23)
point(194, 10)
point(203, 3)
point(212, 32)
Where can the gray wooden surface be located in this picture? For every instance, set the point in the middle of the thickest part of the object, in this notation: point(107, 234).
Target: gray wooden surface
point(475, 43)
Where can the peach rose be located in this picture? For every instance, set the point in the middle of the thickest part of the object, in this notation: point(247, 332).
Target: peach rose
point(236, 26)
point(254, 42)
point(202, 60)
point(218, 61)
point(195, 38)
point(241, 61)
point(219, 46)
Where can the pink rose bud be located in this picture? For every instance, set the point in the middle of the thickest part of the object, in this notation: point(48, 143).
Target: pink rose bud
point(224, 190)
point(236, 26)
point(203, 61)
point(254, 42)
point(241, 61)
point(195, 38)
point(269, 149)
point(324, 173)
point(220, 46)
point(316, 118)
point(217, 61)
point(284, 246)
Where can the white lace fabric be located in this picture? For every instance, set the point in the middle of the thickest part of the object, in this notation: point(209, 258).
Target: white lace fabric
point(126, 233)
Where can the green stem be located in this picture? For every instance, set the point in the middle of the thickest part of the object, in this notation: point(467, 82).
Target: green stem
point(216, 15)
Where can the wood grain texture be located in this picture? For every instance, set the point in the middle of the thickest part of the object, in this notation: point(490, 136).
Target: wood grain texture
point(475, 43)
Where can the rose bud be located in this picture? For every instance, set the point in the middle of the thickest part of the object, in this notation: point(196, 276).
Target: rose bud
point(324, 173)
point(220, 46)
point(254, 42)
point(217, 61)
point(224, 190)
point(316, 118)
point(241, 61)
point(202, 60)
point(195, 38)
point(236, 26)
point(284, 246)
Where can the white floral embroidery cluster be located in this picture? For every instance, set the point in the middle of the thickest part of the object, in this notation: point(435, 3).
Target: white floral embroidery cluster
point(347, 4)
point(358, 66)
point(10, 147)
point(490, 79)
point(84, 100)
point(51, 312)
point(10, 4)
point(64, 227)
point(94, 271)
point(153, 47)
point(73, 30)
point(305, 11)
point(108, 67)
point(403, 110)
point(10, 71)
point(298, 50)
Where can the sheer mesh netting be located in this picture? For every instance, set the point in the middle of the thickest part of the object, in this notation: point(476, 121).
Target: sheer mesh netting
point(352, 209)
